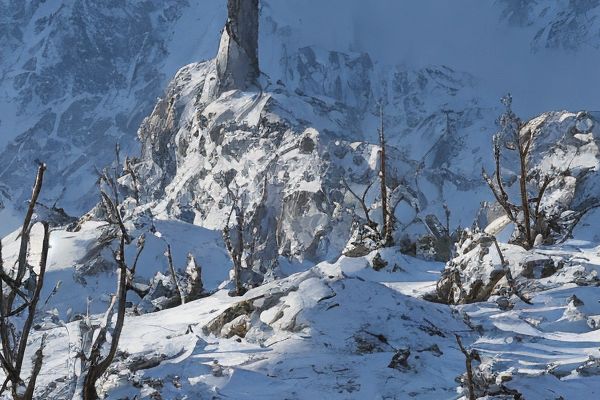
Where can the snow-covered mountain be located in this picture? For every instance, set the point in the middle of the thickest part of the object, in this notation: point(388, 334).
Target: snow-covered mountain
point(288, 144)
point(308, 126)
point(77, 77)
point(571, 25)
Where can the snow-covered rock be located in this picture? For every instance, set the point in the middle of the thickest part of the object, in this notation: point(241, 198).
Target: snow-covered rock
point(276, 338)
point(294, 163)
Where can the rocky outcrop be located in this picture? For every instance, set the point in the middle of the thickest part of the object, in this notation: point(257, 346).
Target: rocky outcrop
point(482, 268)
point(289, 167)
point(237, 60)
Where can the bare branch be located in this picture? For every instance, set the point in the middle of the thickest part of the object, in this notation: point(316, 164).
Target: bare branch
point(115, 215)
point(568, 234)
point(14, 345)
point(35, 299)
point(501, 197)
point(469, 356)
point(174, 275)
point(22, 260)
point(362, 202)
point(546, 182)
point(388, 224)
point(37, 367)
point(97, 364)
point(141, 243)
point(508, 274)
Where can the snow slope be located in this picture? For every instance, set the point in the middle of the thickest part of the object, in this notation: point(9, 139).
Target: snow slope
point(301, 343)
point(83, 267)
point(333, 331)
point(549, 348)
point(322, 325)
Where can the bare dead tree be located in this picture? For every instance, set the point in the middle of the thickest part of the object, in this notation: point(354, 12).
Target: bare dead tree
point(527, 212)
point(14, 303)
point(511, 127)
point(95, 359)
point(97, 363)
point(388, 220)
point(235, 247)
point(242, 237)
point(384, 236)
point(470, 355)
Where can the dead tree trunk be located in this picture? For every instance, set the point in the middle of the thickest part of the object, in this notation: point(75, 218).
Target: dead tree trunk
point(94, 364)
point(242, 242)
point(523, 154)
point(14, 345)
point(174, 275)
point(469, 357)
point(388, 223)
point(235, 246)
point(98, 364)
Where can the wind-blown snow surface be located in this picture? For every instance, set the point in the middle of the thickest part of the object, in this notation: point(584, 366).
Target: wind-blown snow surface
point(549, 348)
point(333, 330)
point(329, 332)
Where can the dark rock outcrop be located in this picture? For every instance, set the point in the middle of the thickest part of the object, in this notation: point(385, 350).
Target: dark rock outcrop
point(237, 61)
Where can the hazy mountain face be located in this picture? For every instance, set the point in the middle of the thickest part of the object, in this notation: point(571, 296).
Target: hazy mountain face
point(78, 77)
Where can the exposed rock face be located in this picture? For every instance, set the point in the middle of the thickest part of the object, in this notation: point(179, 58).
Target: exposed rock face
point(561, 24)
point(237, 61)
point(240, 141)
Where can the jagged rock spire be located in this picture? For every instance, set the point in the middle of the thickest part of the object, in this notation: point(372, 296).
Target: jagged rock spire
point(237, 61)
